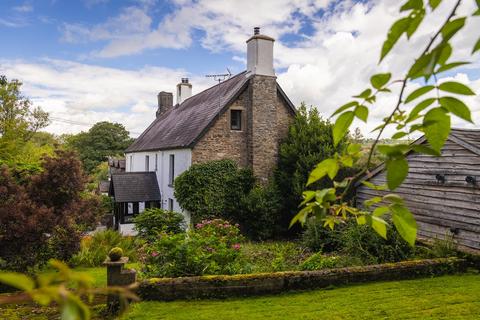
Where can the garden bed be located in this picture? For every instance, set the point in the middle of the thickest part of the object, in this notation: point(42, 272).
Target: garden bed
point(167, 289)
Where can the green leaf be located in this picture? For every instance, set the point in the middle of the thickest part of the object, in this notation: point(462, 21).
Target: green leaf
point(17, 280)
point(393, 150)
point(327, 166)
point(380, 226)
point(354, 148)
point(452, 27)
point(380, 79)
point(418, 92)
point(380, 211)
point(397, 171)
point(457, 107)
point(434, 3)
point(399, 135)
point(398, 28)
point(341, 126)
point(419, 108)
point(416, 18)
point(301, 216)
point(411, 5)
point(476, 47)
point(425, 150)
point(449, 66)
point(361, 112)
point(456, 87)
point(436, 127)
point(345, 107)
point(372, 186)
point(404, 222)
point(372, 201)
point(393, 198)
point(364, 94)
point(74, 309)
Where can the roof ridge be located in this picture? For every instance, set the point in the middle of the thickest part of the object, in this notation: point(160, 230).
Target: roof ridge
point(210, 88)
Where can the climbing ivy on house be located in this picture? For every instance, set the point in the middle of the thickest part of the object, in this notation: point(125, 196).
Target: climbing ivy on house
point(430, 115)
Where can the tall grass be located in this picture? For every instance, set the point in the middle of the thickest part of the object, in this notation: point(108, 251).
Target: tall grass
point(94, 249)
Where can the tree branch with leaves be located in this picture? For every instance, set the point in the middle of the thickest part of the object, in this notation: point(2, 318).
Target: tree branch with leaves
point(430, 117)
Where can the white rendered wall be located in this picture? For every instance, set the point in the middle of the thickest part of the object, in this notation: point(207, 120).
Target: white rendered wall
point(260, 57)
point(127, 229)
point(183, 160)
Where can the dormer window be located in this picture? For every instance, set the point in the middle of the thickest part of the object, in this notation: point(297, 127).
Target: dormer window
point(236, 120)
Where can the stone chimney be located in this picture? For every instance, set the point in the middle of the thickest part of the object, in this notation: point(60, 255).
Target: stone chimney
point(184, 90)
point(260, 54)
point(165, 102)
point(263, 134)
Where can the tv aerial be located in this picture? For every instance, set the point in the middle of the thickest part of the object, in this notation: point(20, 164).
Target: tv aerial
point(220, 77)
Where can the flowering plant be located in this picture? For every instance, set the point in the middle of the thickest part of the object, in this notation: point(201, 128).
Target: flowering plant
point(211, 247)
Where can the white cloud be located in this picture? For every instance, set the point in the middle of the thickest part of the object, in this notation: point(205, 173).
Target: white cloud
point(324, 68)
point(24, 8)
point(88, 93)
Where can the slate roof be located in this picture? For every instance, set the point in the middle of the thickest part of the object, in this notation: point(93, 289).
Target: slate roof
point(184, 124)
point(134, 187)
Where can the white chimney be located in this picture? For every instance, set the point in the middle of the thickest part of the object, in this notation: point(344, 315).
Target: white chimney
point(260, 54)
point(184, 90)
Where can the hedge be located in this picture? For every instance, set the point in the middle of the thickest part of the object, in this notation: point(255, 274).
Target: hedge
point(167, 289)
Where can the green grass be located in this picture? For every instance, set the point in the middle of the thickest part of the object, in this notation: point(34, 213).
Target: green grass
point(447, 297)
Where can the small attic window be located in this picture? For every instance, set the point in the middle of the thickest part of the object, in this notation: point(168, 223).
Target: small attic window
point(236, 120)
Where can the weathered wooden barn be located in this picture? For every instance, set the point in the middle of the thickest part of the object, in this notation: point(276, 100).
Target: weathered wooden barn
point(442, 192)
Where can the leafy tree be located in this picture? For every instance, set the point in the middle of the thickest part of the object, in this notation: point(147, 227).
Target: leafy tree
point(430, 115)
point(44, 218)
point(102, 140)
point(19, 121)
point(309, 141)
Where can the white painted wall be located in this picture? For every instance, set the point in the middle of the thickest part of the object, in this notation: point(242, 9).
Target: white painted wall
point(260, 57)
point(135, 162)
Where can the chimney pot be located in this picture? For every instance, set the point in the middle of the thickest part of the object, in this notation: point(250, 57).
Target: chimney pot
point(260, 54)
point(165, 102)
point(184, 90)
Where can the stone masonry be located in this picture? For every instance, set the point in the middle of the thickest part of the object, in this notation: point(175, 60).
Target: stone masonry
point(265, 122)
point(219, 142)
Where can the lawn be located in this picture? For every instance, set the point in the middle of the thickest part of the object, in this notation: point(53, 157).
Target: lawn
point(447, 297)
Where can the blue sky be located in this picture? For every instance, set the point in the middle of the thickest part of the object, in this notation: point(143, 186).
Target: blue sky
point(92, 60)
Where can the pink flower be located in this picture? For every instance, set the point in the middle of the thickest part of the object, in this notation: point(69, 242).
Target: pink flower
point(199, 225)
point(236, 246)
point(154, 253)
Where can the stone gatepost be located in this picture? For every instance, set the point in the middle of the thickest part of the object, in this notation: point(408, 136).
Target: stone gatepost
point(117, 276)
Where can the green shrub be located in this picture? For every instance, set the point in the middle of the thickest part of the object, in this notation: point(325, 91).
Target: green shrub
point(363, 242)
point(94, 249)
point(257, 257)
point(154, 221)
point(319, 261)
point(212, 247)
point(213, 189)
point(439, 248)
point(259, 212)
point(309, 141)
point(318, 238)
point(115, 254)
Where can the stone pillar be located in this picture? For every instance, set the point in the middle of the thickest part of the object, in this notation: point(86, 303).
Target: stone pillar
point(117, 276)
point(263, 142)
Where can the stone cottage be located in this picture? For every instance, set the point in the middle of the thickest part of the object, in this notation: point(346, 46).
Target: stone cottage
point(243, 118)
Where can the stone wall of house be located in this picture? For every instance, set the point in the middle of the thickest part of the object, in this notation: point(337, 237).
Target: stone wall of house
point(270, 119)
point(219, 142)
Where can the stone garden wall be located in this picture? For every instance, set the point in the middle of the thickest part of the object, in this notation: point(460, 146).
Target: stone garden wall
point(166, 289)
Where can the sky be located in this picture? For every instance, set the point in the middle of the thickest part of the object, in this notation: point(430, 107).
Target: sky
point(86, 61)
